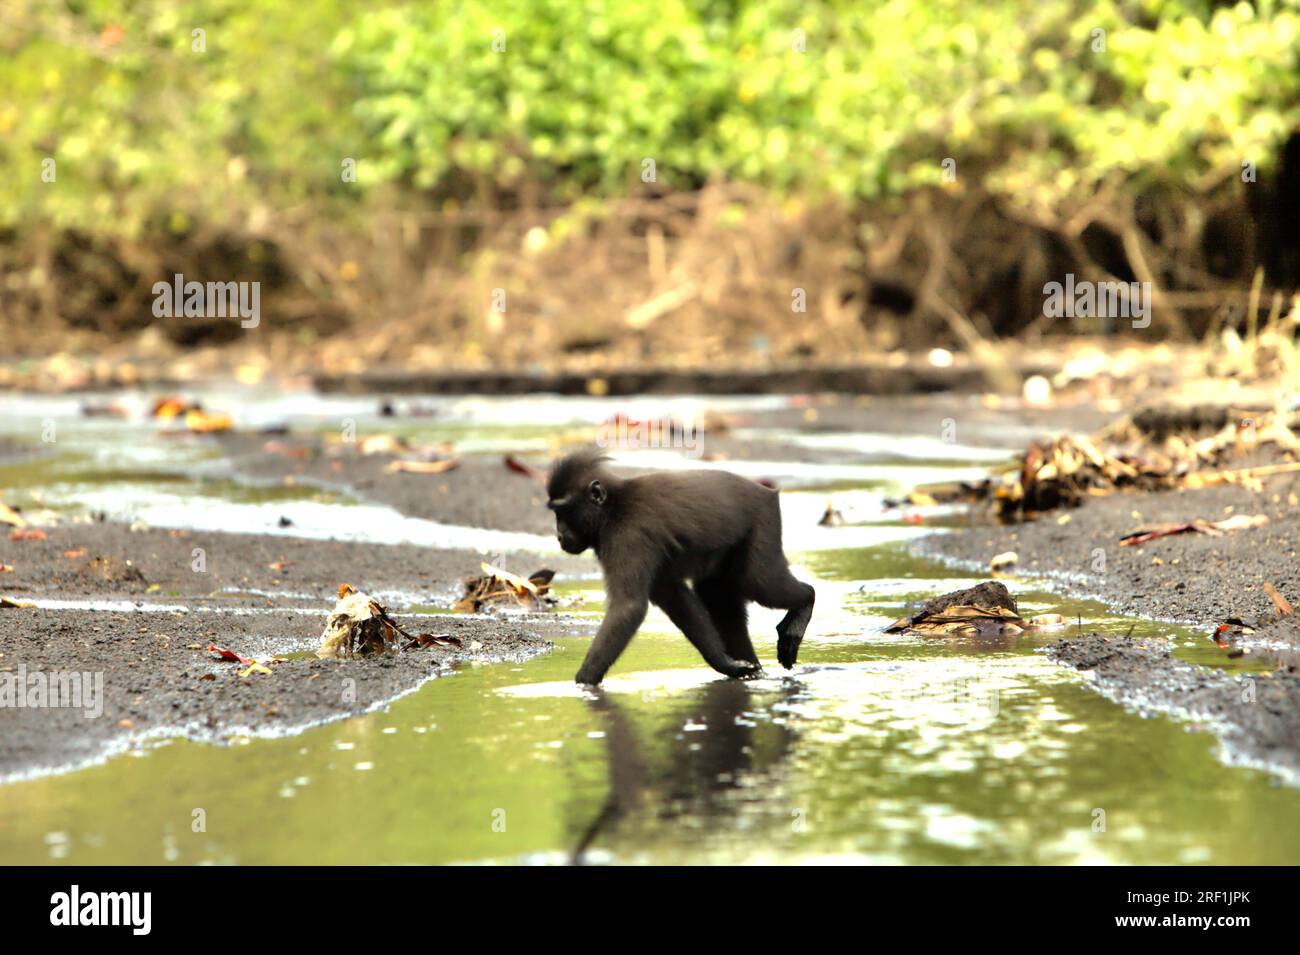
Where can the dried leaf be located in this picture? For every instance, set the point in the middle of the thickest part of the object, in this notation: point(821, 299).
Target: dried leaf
point(514, 580)
point(207, 422)
point(424, 467)
point(425, 640)
point(229, 656)
point(521, 467)
point(1214, 528)
point(1281, 603)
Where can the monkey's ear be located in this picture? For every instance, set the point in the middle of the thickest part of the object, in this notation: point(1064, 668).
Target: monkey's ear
point(596, 491)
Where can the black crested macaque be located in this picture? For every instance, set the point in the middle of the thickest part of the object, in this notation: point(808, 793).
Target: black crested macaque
point(699, 545)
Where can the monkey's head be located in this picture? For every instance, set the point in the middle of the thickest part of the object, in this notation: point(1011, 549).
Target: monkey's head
point(578, 493)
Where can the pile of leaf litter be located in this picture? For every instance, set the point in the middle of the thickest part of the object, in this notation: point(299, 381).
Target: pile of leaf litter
point(1154, 449)
point(360, 626)
point(985, 610)
point(498, 588)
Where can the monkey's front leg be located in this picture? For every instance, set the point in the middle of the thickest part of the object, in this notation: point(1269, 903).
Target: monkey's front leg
point(620, 624)
point(688, 613)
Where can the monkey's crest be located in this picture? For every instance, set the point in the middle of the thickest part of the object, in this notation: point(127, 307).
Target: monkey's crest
point(570, 468)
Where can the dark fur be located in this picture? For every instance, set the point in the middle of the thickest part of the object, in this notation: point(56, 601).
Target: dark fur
point(699, 545)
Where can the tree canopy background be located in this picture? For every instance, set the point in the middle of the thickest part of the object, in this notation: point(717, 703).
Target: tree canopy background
point(506, 145)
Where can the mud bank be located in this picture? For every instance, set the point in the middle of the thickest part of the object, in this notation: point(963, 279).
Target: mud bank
point(154, 565)
point(479, 492)
point(1257, 718)
point(129, 607)
point(152, 676)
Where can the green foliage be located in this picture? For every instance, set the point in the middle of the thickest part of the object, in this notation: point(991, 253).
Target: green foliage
point(145, 129)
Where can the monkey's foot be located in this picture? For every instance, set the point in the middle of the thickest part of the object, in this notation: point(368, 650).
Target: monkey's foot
point(787, 649)
point(743, 669)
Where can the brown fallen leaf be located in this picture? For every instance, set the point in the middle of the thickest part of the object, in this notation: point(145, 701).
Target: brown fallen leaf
point(287, 450)
point(170, 407)
point(229, 656)
point(1281, 603)
point(1213, 528)
point(512, 463)
point(424, 467)
point(75, 553)
point(383, 444)
point(207, 422)
point(424, 640)
point(27, 534)
point(1210, 478)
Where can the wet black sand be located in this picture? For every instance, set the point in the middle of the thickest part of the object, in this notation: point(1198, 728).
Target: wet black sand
point(159, 679)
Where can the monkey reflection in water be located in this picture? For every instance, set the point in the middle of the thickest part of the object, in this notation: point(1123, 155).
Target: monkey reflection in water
point(699, 545)
point(700, 770)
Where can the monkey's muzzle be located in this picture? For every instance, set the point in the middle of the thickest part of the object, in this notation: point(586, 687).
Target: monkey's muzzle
point(571, 545)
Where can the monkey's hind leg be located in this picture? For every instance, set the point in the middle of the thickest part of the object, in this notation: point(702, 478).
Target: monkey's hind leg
point(688, 614)
point(726, 609)
point(783, 591)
